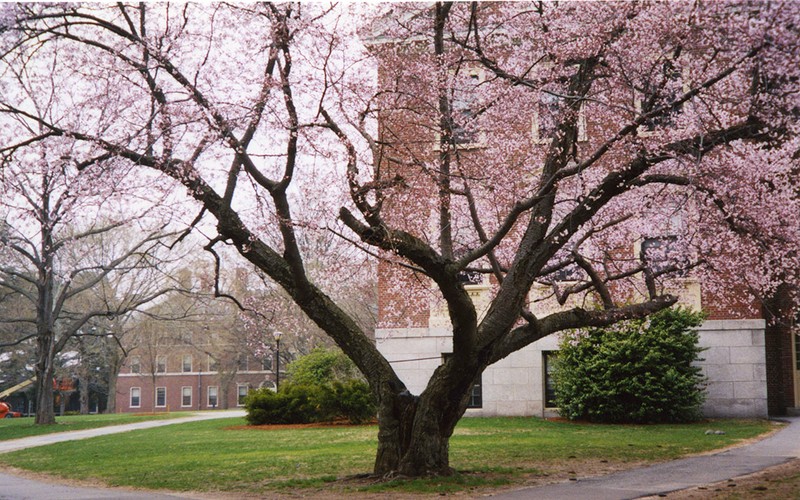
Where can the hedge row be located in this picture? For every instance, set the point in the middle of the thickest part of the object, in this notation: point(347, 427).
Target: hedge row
point(350, 400)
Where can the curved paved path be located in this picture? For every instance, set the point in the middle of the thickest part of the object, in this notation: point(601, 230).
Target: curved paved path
point(17, 488)
point(781, 447)
point(675, 475)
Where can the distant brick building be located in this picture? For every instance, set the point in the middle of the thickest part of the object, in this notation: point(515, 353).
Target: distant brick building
point(174, 376)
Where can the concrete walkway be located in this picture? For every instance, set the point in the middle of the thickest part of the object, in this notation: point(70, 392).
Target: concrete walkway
point(781, 447)
point(680, 474)
point(18, 488)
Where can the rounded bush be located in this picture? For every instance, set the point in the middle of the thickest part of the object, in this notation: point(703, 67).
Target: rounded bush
point(637, 371)
point(322, 388)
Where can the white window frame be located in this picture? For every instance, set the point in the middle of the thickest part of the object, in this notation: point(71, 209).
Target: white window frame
point(213, 364)
point(215, 390)
point(159, 364)
point(582, 137)
point(165, 397)
point(481, 134)
point(183, 396)
point(239, 396)
point(138, 391)
point(184, 359)
point(136, 364)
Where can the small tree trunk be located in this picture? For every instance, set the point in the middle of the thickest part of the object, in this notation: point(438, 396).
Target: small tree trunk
point(84, 395)
point(83, 384)
point(111, 397)
point(45, 411)
point(115, 365)
point(223, 396)
point(62, 403)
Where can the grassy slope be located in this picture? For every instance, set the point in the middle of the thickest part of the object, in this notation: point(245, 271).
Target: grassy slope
point(209, 456)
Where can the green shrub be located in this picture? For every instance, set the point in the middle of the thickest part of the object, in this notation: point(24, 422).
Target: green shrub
point(322, 366)
point(351, 400)
point(636, 371)
point(322, 387)
point(293, 404)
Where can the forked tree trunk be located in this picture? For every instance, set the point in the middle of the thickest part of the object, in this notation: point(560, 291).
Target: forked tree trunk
point(414, 432)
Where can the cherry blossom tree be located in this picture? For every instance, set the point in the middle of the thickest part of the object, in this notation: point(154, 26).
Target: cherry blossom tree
point(529, 144)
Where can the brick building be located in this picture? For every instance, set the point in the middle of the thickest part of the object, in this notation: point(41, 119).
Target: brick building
point(752, 368)
point(178, 375)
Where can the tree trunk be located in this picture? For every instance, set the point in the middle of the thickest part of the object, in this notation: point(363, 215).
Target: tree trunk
point(83, 381)
point(45, 411)
point(223, 395)
point(62, 403)
point(83, 384)
point(115, 362)
point(414, 432)
point(779, 310)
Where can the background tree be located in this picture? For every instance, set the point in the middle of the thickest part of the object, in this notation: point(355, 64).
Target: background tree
point(70, 254)
point(431, 167)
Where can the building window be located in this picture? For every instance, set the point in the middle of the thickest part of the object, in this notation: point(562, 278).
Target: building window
point(136, 397)
point(266, 363)
point(136, 365)
point(476, 393)
point(241, 362)
point(659, 89)
point(187, 363)
point(161, 397)
point(213, 400)
point(548, 357)
point(548, 115)
point(186, 396)
point(464, 109)
point(242, 390)
point(213, 365)
point(464, 106)
point(661, 253)
point(161, 364)
point(470, 278)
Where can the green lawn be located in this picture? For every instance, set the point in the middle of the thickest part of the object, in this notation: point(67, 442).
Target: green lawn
point(13, 428)
point(210, 456)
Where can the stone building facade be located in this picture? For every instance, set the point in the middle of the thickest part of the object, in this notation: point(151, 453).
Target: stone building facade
point(733, 361)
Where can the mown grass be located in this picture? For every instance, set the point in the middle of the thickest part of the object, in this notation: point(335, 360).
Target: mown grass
point(212, 456)
point(14, 428)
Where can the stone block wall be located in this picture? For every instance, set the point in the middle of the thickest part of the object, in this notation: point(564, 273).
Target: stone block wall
point(733, 362)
